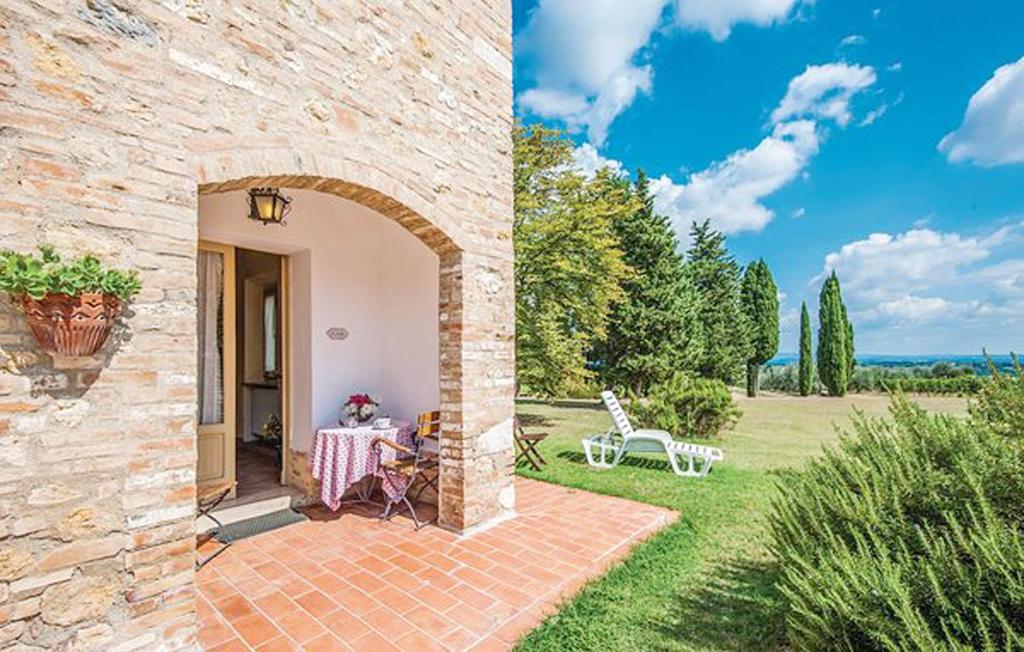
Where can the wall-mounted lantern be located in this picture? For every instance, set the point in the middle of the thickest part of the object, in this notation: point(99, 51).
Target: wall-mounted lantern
point(268, 205)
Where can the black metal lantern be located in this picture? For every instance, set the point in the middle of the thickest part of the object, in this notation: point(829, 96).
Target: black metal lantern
point(268, 205)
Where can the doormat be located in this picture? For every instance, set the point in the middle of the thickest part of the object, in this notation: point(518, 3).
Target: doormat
point(250, 527)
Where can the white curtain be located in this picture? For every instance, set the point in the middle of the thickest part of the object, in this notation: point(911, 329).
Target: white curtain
point(210, 292)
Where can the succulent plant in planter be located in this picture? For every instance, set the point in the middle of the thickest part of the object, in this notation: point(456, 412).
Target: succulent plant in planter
point(70, 307)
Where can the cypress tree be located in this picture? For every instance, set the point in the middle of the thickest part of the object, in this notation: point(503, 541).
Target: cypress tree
point(834, 338)
point(806, 355)
point(719, 337)
point(646, 329)
point(761, 305)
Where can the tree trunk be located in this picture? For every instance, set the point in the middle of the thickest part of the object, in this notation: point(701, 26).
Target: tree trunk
point(753, 371)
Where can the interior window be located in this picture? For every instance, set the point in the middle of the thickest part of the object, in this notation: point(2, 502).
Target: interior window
point(270, 334)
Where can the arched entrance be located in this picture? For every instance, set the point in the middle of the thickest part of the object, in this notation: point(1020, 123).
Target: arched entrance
point(475, 478)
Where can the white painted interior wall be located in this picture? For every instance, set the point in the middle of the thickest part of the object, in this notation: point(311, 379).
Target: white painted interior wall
point(352, 268)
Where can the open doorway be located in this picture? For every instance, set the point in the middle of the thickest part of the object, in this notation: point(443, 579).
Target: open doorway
point(259, 417)
point(242, 329)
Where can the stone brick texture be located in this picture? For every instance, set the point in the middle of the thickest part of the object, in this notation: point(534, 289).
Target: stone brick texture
point(114, 116)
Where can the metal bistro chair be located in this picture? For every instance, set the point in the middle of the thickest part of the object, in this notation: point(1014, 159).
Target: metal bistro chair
point(412, 465)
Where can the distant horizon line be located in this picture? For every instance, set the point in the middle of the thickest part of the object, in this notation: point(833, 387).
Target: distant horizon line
point(904, 356)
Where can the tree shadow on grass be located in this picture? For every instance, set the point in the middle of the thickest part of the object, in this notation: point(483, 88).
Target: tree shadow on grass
point(533, 420)
point(735, 607)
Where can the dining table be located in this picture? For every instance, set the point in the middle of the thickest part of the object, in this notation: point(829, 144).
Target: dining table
point(344, 456)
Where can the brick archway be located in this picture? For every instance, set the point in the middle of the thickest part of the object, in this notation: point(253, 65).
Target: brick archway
point(440, 235)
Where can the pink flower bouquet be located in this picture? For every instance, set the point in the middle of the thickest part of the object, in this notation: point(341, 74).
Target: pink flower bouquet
point(362, 407)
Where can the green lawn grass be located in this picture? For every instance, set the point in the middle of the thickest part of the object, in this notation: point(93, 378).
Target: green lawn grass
point(707, 581)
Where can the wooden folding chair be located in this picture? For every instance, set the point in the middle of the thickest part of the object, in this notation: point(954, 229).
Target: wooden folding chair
point(208, 496)
point(526, 446)
point(418, 464)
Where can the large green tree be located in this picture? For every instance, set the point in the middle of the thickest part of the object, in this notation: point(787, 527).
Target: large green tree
point(835, 338)
point(806, 352)
point(569, 266)
point(719, 338)
point(760, 299)
point(647, 330)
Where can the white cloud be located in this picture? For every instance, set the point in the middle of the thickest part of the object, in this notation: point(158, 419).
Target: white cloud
point(586, 57)
point(729, 192)
point(852, 39)
point(588, 160)
point(875, 13)
point(884, 266)
point(913, 308)
point(874, 114)
point(969, 289)
point(718, 17)
point(800, 212)
point(895, 66)
point(824, 91)
point(586, 54)
point(992, 132)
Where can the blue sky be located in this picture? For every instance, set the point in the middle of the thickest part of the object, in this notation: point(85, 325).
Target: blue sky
point(881, 139)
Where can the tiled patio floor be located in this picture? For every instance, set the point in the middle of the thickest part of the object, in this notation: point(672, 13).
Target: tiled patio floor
point(355, 583)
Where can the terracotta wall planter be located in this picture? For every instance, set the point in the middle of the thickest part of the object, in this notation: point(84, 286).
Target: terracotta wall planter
point(72, 326)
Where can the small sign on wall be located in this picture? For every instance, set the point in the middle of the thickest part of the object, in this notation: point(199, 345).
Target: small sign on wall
point(337, 333)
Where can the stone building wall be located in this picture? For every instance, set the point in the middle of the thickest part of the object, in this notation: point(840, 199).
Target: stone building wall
point(113, 117)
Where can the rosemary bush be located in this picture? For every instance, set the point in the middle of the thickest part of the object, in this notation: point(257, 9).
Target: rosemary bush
point(906, 537)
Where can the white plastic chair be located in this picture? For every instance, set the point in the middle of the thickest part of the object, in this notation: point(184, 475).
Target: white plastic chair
point(607, 450)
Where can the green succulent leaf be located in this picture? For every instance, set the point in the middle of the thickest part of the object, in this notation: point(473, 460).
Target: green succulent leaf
point(36, 276)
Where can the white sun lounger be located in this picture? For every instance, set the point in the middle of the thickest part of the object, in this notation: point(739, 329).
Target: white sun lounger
point(606, 451)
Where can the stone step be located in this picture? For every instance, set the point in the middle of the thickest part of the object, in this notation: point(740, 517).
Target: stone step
point(232, 513)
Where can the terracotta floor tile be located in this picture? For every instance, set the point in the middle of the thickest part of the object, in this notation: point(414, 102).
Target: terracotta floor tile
point(471, 596)
point(234, 608)
point(256, 630)
point(430, 622)
point(214, 633)
point(435, 599)
point(474, 578)
point(403, 579)
point(326, 643)
point(358, 602)
point(352, 582)
point(317, 603)
point(419, 642)
point(373, 642)
point(279, 644)
point(368, 582)
point(299, 625)
point(346, 625)
point(471, 618)
point(491, 645)
point(234, 645)
point(410, 564)
point(217, 589)
point(388, 623)
point(375, 564)
point(511, 595)
point(274, 604)
point(458, 639)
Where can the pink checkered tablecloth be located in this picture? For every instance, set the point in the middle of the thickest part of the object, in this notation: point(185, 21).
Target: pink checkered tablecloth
point(343, 456)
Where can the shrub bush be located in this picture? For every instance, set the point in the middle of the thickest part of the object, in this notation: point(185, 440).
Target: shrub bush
point(911, 380)
point(905, 537)
point(687, 406)
point(960, 386)
point(1000, 402)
